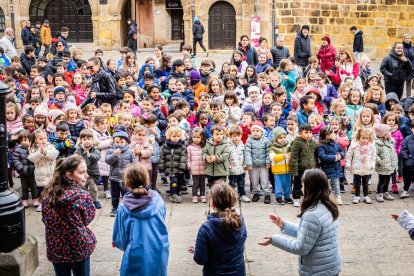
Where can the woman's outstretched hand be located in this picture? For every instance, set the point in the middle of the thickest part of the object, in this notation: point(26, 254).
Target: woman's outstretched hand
point(268, 240)
point(191, 249)
point(394, 216)
point(277, 220)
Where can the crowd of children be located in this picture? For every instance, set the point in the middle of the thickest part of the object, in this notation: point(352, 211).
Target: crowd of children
point(188, 126)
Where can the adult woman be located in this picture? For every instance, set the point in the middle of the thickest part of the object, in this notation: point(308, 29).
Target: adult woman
point(315, 239)
point(248, 51)
point(238, 59)
point(302, 49)
point(326, 54)
point(408, 53)
point(350, 68)
point(264, 48)
point(396, 67)
point(103, 85)
point(67, 210)
point(158, 53)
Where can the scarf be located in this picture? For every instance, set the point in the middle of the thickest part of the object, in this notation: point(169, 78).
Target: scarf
point(59, 104)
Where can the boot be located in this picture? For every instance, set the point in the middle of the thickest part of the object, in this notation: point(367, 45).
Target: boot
point(267, 199)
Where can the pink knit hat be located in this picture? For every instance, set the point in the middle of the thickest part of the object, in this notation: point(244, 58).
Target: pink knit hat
point(258, 125)
point(54, 113)
point(381, 130)
point(41, 110)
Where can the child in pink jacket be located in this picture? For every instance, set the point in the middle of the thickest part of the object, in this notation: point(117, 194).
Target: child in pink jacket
point(195, 163)
point(141, 147)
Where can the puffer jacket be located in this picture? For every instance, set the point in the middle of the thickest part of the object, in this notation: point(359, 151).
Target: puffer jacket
point(220, 167)
point(302, 49)
point(398, 140)
point(387, 159)
point(173, 159)
point(15, 124)
point(315, 240)
point(104, 86)
point(290, 83)
point(361, 159)
point(44, 164)
point(91, 160)
point(326, 57)
point(75, 129)
point(302, 155)
point(104, 145)
point(21, 163)
point(119, 163)
point(195, 162)
point(280, 164)
point(146, 150)
point(358, 45)
point(394, 69)
point(261, 67)
point(249, 53)
point(327, 159)
point(198, 29)
point(233, 114)
point(46, 35)
point(256, 152)
point(236, 159)
point(279, 53)
point(27, 63)
point(156, 149)
point(407, 152)
point(409, 53)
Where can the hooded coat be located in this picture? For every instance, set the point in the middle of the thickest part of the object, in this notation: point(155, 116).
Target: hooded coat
point(145, 253)
point(219, 250)
point(326, 57)
point(280, 164)
point(198, 29)
point(327, 159)
point(394, 69)
point(409, 53)
point(361, 159)
point(44, 164)
point(387, 159)
point(249, 53)
point(358, 45)
point(302, 49)
point(119, 163)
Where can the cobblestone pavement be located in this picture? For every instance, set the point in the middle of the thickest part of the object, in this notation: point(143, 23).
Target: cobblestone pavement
point(371, 242)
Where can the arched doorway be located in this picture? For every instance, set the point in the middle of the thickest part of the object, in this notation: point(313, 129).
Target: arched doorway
point(2, 21)
point(125, 14)
point(221, 26)
point(74, 14)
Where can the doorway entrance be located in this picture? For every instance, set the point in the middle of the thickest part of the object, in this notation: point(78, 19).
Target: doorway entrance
point(222, 26)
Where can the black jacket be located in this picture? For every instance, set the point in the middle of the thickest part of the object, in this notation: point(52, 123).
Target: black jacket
point(21, 163)
point(394, 69)
point(302, 49)
point(25, 36)
point(198, 29)
point(358, 42)
point(407, 152)
point(27, 62)
point(104, 87)
point(279, 53)
point(409, 53)
point(250, 53)
point(46, 71)
point(34, 40)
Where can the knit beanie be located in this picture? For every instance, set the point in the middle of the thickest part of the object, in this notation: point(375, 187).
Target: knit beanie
point(258, 125)
point(58, 89)
point(327, 39)
point(253, 88)
point(249, 108)
point(194, 77)
point(177, 96)
point(365, 60)
point(54, 113)
point(121, 134)
point(41, 110)
point(305, 27)
point(70, 106)
point(381, 130)
point(278, 131)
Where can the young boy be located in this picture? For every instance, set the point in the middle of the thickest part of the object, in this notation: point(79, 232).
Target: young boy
point(237, 172)
point(62, 140)
point(61, 68)
point(281, 97)
point(269, 125)
point(120, 85)
point(124, 51)
point(302, 157)
point(205, 70)
point(307, 107)
point(262, 81)
point(87, 150)
point(177, 70)
point(407, 152)
point(126, 123)
point(118, 158)
point(257, 162)
point(216, 155)
point(403, 121)
point(173, 162)
point(277, 110)
point(247, 119)
point(99, 53)
point(148, 106)
point(279, 153)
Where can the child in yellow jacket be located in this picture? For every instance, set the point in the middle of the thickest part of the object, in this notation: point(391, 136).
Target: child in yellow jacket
point(279, 153)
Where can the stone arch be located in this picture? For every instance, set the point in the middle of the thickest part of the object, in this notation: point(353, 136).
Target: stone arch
point(221, 26)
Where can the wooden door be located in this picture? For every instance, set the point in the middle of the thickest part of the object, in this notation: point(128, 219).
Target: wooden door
point(222, 26)
point(177, 24)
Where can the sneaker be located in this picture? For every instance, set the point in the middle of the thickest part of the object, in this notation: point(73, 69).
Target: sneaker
point(296, 203)
point(400, 179)
point(345, 182)
point(267, 199)
point(39, 208)
point(107, 194)
point(113, 212)
point(195, 199)
point(339, 201)
point(387, 196)
point(189, 182)
point(380, 197)
point(367, 200)
point(395, 188)
point(356, 200)
point(36, 203)
point(164, 181)
point(288, 200)
point(97, 204)
point(353, 189)
point(245, 199)
point(203, 199)
point(279, 201)
point(25, 203)
point(404, 194)
point(342, 188)
point(255, 198)
point(175, 198)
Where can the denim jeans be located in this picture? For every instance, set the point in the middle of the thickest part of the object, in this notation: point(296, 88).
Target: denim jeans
point(335, 186)
point(81, 268)
point(238, 180)
point(283, 185)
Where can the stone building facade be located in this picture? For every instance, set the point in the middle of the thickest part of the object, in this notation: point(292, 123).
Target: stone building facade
point(103, 22)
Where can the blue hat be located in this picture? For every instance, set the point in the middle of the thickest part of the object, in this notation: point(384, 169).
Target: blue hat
point(58, 89)
point(249, 108)
point(121, 134)
point(177, 96)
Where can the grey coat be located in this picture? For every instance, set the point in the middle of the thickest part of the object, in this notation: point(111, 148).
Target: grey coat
point(119, 163)
point(256, 152)
point(315, 240)
point(91, 160)
point(21, 163)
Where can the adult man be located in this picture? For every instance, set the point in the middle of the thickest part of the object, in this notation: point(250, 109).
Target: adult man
point(6, 42)
point(132, 35)
point(39, 44)
point(358, 47)
point(46, 36)
point(27, 59)
point(302, 49)
point(25, 35)
point(64, 37)
point(279, 52)
point(198, 32)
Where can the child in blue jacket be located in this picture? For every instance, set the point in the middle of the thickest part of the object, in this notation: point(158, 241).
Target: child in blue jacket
point(141, 211)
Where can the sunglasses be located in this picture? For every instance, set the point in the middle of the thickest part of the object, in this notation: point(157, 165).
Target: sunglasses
point(89, 67)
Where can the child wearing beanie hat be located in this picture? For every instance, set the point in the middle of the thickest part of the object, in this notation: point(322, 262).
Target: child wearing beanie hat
point(76, 125)
point(257, 161)
point(386, 162)
point(55, 116)
point(254, 99)
point(60, 96)
point(40, 115)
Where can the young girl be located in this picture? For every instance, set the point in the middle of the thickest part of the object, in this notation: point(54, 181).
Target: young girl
point(195, 164)
point(141, 211)
point(386, 162)
point(73, 119)
point(215, 89)
point(87, 115)
point(226, 221)
point(141, 147)
point(232, 109)
point(250, 75)
point(392, 121)
point(330, 153)
point(43, 155)
point(288, 77)
point(231, 85)
point(365, 120)
point(13, 117)
point(254, 99)
point(338, 109)
point(372, 81)
point(64, 201)
point(225, 70)
point(203, 103)
point(317, 123)
point(292, 128)
point(78, 86)
point(41, 117)
point(55, 117)
point(237, 59)
point(267, 100)
point(354, 108)
point(344, 91)
point(376, 95)
point(181, 86)
point(274, 81)
point(341, 137)
point(299, 92)
point(129, 96)
point(360, 161)
point(130, 65)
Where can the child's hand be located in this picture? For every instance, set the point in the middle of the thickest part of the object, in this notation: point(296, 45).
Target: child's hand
point(137, 151)
point(268, 241)
point(338, 156)
point(191, 249)
point(92, 95)
point(277, 220)
point(349, 169)
point(286, 155)
point(395, 217)
point(249, 168)
point(117, 152)
point(327, 72)
point(111, 140)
